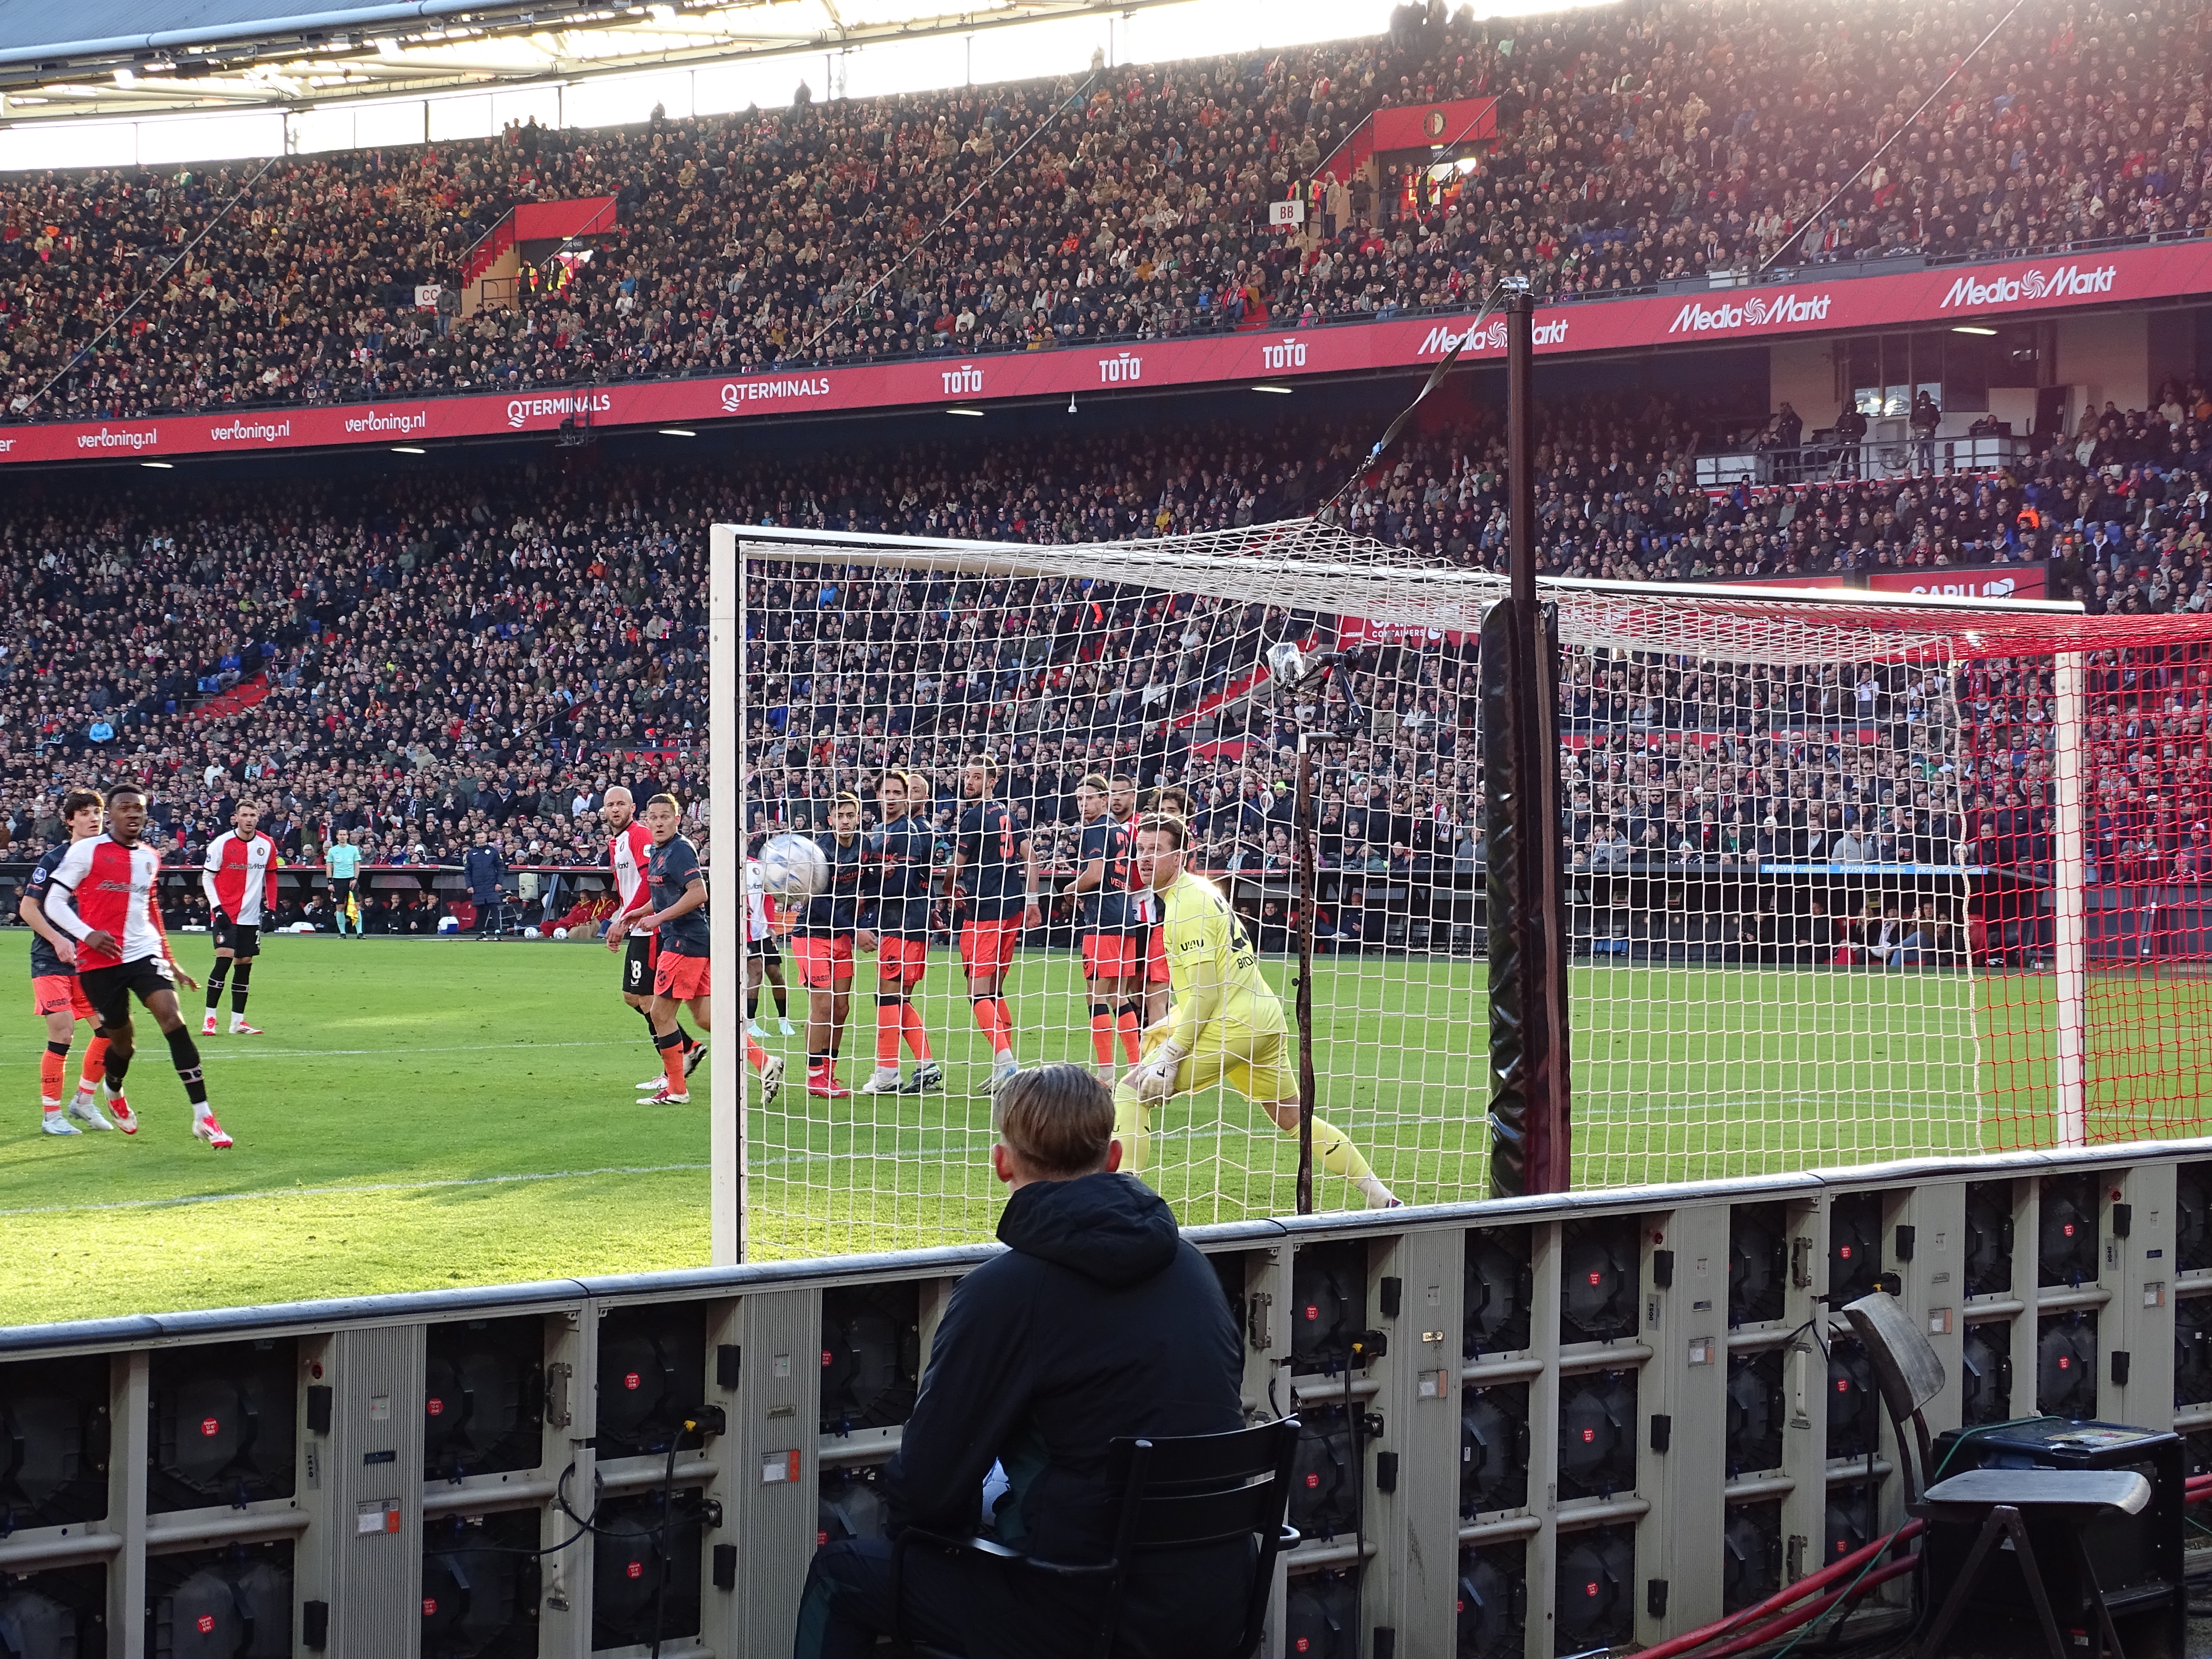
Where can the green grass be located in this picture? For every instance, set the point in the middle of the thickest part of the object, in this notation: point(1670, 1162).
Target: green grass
point(426, 1114)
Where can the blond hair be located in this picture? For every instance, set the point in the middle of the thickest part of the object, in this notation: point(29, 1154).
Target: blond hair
point(1058, 1120)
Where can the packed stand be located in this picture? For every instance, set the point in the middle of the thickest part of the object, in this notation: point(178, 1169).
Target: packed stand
point(1638, 146)
point(431, 663)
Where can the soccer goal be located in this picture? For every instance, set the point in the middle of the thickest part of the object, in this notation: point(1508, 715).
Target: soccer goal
point(1818, 913)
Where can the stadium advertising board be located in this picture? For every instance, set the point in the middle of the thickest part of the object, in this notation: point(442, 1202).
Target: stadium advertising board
point(2007, 581)
point(1738, 316)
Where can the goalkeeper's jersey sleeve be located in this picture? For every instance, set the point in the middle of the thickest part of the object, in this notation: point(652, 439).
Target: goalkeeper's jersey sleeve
point(1205, 940)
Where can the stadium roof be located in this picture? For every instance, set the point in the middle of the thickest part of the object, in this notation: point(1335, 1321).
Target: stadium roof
point(134, 57)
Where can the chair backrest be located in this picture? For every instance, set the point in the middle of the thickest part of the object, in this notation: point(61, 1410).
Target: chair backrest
point(1202, 1489)
point(1196, 1490)
point(1906, 1369)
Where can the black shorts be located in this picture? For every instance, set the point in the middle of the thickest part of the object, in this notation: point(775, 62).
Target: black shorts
point(242, 942)
point(109, 990)
point(766, 950)
point(341, 891)
point(638, 954)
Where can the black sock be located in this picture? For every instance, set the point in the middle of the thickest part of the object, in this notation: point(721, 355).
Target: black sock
point(238, 985)
point(782, 1004)
point(688, 1042)
point(752, 1003)
point(185, 1055)
point(651, 1034)
point(214, 982)
point(113, 1070)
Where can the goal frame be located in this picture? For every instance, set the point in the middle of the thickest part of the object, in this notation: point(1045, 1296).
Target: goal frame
point(730, 546)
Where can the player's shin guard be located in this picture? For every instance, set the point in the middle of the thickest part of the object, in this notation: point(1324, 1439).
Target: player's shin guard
point(238, 982)
point(95, 1063)
point(54, 1072)
point(185, 1055)
point(1101, 1033)
point(216, 977)
point(917, 1038)
point(671, 1044)
point(890, 1026)
point(1130, 1024)
point(994, 1022)
point(1133, 1128)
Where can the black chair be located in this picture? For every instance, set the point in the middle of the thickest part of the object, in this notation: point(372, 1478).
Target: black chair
point(1177, 1494)
point(2059, 1502)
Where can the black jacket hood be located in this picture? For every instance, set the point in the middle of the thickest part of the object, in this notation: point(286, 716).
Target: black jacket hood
point(1110, 1228)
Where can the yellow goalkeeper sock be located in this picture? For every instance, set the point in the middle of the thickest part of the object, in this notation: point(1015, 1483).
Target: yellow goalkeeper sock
point(1133, 1128)
point(1337, 1154)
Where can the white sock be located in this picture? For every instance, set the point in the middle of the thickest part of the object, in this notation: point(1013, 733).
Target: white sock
point(1378, 1195)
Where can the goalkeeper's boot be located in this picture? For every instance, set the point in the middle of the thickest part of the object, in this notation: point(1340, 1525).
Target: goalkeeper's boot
point(1379, 1197)
point(204, 1128)
point(86, 1111)
point(928, 1078)
point(771, 1079)
point(119, 1109)
point(884, 1080)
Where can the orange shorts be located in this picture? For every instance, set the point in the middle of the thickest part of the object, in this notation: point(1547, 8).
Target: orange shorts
point(682, 977)
point(987, 948)
point(824, 964)
point(900, 961)
point(1156, 957)
point(61, 994)
point(1112, 955)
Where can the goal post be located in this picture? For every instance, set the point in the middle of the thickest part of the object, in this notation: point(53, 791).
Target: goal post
point(1768, 797)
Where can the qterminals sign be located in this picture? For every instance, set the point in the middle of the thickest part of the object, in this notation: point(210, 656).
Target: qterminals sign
point(1744, 315)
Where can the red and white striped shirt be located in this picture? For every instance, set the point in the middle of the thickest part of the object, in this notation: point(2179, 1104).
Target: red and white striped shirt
point(102, 886)
point(239, 876)
point(628, 852)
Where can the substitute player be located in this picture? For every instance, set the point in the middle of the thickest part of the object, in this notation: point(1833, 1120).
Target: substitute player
point(101, 895)
point(683, 966)
point(823, 942)
point(240, 880)
point(1227, 1021)
point(894, 923)
point(994, 869)
point(59, 999)
point(1113, 940)
point(629, 846)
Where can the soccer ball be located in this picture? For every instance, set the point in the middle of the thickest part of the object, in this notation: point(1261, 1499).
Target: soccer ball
point(792, 869)
point(560, 932)
point(530, 932)
point(449, 924)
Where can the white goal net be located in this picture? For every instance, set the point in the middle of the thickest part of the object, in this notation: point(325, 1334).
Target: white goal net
point(1763, 820)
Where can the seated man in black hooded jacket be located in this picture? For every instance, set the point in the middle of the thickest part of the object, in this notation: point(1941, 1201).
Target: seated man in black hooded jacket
point(1100, 1321)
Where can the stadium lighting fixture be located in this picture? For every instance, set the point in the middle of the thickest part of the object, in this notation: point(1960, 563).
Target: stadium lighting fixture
point(409, 449)
point(678, 432)
point(1973, 328)
point(973, 414)
point(161, 466)
point(1279, 390)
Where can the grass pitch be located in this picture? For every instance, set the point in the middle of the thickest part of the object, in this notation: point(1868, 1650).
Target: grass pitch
point(425, 1113)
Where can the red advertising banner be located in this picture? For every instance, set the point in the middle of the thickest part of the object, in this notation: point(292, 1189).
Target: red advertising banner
point(1732, 316)
point(2008, 582)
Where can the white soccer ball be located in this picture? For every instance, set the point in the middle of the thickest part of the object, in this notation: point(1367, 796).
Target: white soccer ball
point(449, 924)
point(560, 932)
point(792, 869)
point(530, 932)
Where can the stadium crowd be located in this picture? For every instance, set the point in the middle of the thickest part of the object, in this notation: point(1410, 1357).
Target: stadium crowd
point(1676, 138)
point(431, 662)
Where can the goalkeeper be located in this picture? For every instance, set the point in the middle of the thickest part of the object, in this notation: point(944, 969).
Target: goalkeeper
point(1226, 1020)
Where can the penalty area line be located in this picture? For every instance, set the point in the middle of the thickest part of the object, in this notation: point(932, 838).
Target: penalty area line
point(340, 1189)
point(329, 1054)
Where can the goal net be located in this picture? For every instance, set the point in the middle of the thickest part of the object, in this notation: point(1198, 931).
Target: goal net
point(1795, 941)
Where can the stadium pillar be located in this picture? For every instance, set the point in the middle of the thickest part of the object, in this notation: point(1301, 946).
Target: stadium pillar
point(725, 840)
point(2068, 903)
point(1529, 1122)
